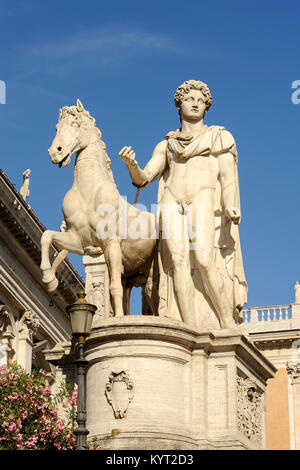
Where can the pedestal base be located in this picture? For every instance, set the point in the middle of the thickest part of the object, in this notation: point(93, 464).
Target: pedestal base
point(155, 383)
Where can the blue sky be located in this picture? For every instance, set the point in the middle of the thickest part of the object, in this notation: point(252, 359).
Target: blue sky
point(124, 60)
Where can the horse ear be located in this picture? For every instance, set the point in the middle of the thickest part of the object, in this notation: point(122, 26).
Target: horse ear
point(60, 113)
point(79, 105)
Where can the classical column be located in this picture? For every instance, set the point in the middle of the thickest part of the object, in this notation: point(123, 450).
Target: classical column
point(293, 370)
point(28, 323)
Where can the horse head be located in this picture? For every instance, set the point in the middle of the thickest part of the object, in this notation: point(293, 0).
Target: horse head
point(74, 131)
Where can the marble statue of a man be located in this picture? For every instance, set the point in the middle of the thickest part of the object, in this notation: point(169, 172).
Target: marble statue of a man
point(202, 279)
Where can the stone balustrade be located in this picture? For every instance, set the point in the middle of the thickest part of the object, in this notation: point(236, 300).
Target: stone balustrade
point(271, 318)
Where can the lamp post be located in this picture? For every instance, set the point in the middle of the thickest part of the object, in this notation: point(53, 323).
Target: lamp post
point(81, 316)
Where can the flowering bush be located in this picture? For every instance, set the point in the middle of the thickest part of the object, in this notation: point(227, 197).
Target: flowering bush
point(29, 414)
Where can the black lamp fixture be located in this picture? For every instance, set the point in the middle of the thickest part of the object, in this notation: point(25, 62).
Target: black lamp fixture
point(81, 316)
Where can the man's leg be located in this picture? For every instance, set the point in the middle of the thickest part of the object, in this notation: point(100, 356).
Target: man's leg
point(202, 226)
point(176, 236)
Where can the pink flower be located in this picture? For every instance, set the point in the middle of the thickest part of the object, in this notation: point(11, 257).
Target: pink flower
point(13, 397)
point(29, 402)
point(47, 391)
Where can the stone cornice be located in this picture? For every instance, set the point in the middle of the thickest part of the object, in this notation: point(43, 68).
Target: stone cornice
point(167, 330)
point(22, 222)
point(275, 339)
point(22, 296)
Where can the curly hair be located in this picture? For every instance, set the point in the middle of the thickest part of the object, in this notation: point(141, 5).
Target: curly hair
point(192, 85)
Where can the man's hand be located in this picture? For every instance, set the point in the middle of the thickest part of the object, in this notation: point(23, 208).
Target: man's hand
point(128, 156)
point(233, 213)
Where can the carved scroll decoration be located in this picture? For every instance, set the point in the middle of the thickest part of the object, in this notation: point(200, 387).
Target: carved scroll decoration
point(119, 393)
point(29, 323)
point(249, 409)
point(7, 335)
point(293, 370)
point(5, 321)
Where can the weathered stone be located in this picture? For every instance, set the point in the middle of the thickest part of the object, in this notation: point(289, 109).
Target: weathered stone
point(181, 388)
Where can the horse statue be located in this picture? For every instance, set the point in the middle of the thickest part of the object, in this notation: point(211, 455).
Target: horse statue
point(93, 209)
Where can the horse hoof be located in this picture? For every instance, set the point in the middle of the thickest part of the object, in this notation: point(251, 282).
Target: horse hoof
point(52, 285)
point(48, 276)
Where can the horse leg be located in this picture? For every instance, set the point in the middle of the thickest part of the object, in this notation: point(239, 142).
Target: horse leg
point(59, 259)
point(113, 258)
point(146, 310)
point(64, 241)
point(150, 297)
point(127, 300)
point(126, 296)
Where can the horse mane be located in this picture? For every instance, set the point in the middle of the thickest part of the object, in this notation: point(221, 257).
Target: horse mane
point(73, 111)
point(107, 159)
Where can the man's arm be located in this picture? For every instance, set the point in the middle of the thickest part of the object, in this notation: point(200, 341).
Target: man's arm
point(228, 180)
point(152, 170)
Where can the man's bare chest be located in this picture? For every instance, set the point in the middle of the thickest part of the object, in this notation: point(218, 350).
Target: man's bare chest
point(196, 164)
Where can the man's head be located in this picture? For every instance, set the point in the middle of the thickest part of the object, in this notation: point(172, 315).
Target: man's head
point(189, 85)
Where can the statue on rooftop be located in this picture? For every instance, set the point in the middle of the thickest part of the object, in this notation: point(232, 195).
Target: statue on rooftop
point(24, 190)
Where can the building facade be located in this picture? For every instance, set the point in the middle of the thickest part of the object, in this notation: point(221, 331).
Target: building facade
point(31, 319)
point(275, 331)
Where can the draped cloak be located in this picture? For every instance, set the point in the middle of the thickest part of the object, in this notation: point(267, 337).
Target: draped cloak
point(213, 141)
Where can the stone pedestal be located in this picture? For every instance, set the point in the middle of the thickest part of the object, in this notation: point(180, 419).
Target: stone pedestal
point(155, 383)
point(97, 286)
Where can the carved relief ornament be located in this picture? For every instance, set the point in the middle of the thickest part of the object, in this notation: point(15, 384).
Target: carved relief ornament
point(119, 393)
point(293, 370)
point(5, 320)
point(28, 324)
point(249, 409)
point(7, 332)
point(97, 294)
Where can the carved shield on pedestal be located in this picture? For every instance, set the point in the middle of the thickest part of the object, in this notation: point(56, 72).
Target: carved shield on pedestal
point(119, 393)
